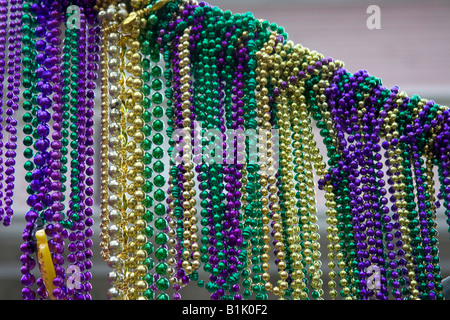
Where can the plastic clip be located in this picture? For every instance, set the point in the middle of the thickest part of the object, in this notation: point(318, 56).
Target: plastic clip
point(44, 257)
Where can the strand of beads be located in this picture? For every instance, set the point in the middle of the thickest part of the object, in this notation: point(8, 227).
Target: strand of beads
point(161, 224)
point(190, 254)
point(40, 183)
point(265, 135)
point(12, 105)
point(394, 171)
point(174, 274)
point(206, 90)
point(168, 248)
point(152, 102)
point(93, 49)
point(424, 247)
point(179, 206)
point(58, 145)
point(114, 215)
point(284, 219)
point(135, 138)
point(233, 162)
point(167, 273)
point(308, 159)
point(3, 30)
point(104, 177)
point(253, 188)
point(82, 142)
point(28, 262)
point(48, 58)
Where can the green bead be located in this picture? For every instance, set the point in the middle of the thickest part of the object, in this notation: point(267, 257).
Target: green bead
point(146, 89)
point(162, 296)
point(157, 84)
point(161, 253)
point(162, 284)
point(148, 247)
point(159, 181)
point(158, 139)
point(157, 98)
point(157, 71)
point(27, 105)
point(148, 216)
point(147, 158)
point(147, 173)
point(149, 263)
point(158, 112)
point(158, 166)
point(149, 294)
point(146, 116)
point(29, 190)
point(161, 268)
point(146, 130)
point(160, 209)
point(158, 153)
point(28, 177)
point(28, 165)
point(160, 223)
point(146, 144)
point(27, 141)
point(27, 129)
point(149, 278)
point(27, 117)
point(160, 195)
point(158, 125)
point(161, 238)
point(149, 231)
point(247, 294)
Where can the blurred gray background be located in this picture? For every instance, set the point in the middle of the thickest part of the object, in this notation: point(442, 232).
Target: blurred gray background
point(410, 50)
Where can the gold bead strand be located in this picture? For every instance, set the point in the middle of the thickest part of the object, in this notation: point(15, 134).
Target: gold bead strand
point(104, 211)
point(285, 171)
point(133, 103)
point(268, 181)
point(191, 254)
point(173, 240)
point(293, 230)
point(308, 210)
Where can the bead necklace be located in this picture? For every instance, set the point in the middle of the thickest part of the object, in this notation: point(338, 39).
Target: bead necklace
point(13, 80)
point(80, 212)
point(3, 26)
point(116, 186)
point(151, 97)
point(268, 187)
